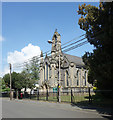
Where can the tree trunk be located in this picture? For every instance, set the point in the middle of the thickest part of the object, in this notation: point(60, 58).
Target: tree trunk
point(30, 93)
point(17, 94)
point(25, 93)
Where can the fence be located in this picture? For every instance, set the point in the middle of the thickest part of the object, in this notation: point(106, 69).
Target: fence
point(5, 94)
point(70, 96)
point(74, 96)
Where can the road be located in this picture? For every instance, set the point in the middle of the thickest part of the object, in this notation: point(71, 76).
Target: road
point(38, 109)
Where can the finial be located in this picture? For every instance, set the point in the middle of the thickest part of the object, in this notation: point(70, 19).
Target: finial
point(46, 54)
point(55, 30)
point(41, 55)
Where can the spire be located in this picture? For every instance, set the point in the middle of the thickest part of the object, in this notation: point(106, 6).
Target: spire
point(56, 41)
point(56, 31)
point(41, 60)
point(41, 55)
point(46, 55)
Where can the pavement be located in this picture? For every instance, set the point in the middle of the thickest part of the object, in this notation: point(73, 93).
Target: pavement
point(40, 109)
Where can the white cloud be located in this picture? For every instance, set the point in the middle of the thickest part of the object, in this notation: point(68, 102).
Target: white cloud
point(1, 38)
point(5, 71)
point(19, 57)
point(23, 55)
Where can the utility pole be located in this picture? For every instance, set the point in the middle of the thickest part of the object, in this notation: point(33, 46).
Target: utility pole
point(11, 94)
point(59, 87)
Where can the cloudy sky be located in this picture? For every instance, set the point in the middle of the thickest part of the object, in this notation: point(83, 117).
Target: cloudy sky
point(27, 26)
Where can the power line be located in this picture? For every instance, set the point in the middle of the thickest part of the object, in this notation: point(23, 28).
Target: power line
point(83, 43)
point(49, 52)
point(76, 46)
point(66, 50)
point(73, 39)
point(74, 42)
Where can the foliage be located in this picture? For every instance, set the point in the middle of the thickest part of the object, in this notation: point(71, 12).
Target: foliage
point(31, 73)
point(35, 68)
point(98, 24)
point(6, 79)
point(3, 87)
point(16, 80)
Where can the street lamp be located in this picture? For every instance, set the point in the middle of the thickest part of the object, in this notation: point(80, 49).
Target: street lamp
point(49, 41)
point(11, 94)
point(59, 86)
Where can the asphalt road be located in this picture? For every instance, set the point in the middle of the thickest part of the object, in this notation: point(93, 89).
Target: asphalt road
point(38, 109)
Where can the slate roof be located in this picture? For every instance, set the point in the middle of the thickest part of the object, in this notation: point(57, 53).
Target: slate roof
point(77, 60)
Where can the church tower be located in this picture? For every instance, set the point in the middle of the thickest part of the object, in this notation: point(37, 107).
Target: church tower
point(56, 43)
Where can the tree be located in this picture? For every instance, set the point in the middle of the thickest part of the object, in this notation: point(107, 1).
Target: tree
point(31, 73)
point(6, 79)
point(3, 87)
point(98, 24)
point(34, 65)
point(17, 83)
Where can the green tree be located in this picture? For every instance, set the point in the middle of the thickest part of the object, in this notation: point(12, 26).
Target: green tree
point(31, 73)
point(98, 24)
point(34, 66)
point(17, 83)
point(25, 78)
point(16, 80)
point(6, 79)
point(3, 87)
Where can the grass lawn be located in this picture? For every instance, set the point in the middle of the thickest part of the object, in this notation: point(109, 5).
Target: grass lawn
point(82, 99)
point(64, 98)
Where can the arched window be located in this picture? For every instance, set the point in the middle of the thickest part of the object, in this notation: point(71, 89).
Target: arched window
point(55, 40)
point(67, 82)
point(85, 78)
point(49, 71)
point(77, 77)
point(58, 75)
point(46, 71)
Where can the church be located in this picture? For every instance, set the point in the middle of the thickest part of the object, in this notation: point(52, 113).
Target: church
point(67, 69)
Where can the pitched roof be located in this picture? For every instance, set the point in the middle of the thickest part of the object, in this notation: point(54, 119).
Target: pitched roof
point(77, 60)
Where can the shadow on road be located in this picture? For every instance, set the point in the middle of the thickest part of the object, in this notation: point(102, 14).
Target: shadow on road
point(105, 111)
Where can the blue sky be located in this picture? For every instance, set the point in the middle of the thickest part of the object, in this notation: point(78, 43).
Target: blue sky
point(35, 22)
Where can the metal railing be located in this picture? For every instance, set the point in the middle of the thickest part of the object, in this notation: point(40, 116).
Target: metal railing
point(74, 96)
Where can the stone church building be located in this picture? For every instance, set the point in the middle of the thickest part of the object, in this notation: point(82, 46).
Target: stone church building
point(72, 71)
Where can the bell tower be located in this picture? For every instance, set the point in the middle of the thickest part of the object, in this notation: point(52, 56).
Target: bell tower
point(56, 42)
